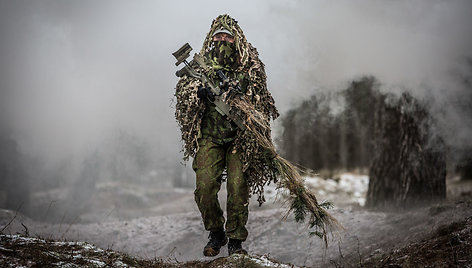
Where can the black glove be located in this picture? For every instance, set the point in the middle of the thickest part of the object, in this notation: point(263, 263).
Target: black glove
point(205, 93)
point(231, 85)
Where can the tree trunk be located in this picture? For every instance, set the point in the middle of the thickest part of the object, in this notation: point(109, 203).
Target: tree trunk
point(409, 166)
point(384, 172)
point(464, 168)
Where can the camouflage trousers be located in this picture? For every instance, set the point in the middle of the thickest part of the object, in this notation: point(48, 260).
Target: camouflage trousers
point(209, 164)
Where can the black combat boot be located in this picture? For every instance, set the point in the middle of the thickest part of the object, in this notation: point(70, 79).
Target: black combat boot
point(217, 240)
point(234, 247)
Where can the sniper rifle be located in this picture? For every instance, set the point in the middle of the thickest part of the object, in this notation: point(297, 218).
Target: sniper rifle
point(222, 107)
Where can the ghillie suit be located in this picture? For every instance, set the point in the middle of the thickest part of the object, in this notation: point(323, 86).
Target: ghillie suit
point(261, 164)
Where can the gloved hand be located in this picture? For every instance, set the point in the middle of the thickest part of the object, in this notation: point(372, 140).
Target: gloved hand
point(234, 86)
point(205, 93)
point(231, 85)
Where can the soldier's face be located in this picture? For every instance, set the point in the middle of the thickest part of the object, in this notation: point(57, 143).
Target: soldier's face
point(223, 37)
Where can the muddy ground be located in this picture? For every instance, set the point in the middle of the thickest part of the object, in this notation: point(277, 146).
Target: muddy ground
point(171, 228)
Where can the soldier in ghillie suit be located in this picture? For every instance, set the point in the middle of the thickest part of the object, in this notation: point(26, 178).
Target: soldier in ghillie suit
point(238, 141)
point(216, 143)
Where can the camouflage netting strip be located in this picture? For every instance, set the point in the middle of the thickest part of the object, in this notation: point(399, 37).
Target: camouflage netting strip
point(188, 112)
point(261, 164)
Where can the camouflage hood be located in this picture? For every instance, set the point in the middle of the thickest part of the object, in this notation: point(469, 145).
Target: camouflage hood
point(249, 63)
point(242, 46)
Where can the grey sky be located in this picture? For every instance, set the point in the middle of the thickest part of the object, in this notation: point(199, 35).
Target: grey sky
point(72, 71)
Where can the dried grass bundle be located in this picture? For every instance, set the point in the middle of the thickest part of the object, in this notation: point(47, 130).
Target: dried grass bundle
point(302, 200)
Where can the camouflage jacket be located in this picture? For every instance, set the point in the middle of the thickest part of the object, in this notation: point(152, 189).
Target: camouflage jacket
point(216, 126)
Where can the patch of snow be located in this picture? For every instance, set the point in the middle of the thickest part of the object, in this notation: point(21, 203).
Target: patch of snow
point(96, 263)
point(77, 256)
point(270, 192)
point(77, 253)
point(64, 264)
point(348, 188)
point(264, 261)
point(119, 264)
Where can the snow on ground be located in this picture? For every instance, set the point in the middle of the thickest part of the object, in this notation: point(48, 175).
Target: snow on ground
point(181, 236)
point(264, 261)
point(348, 188)
point(21, 251)
point(171, 225)
point(54, 254)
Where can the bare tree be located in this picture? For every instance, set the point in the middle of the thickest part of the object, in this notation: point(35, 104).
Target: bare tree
point(464, 167)
point(409, 167)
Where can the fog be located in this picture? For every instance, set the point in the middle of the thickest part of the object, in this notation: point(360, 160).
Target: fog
point(80, 77)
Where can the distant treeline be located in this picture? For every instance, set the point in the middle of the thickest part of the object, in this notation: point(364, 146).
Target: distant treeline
point(340, 130)
point(332, 131)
